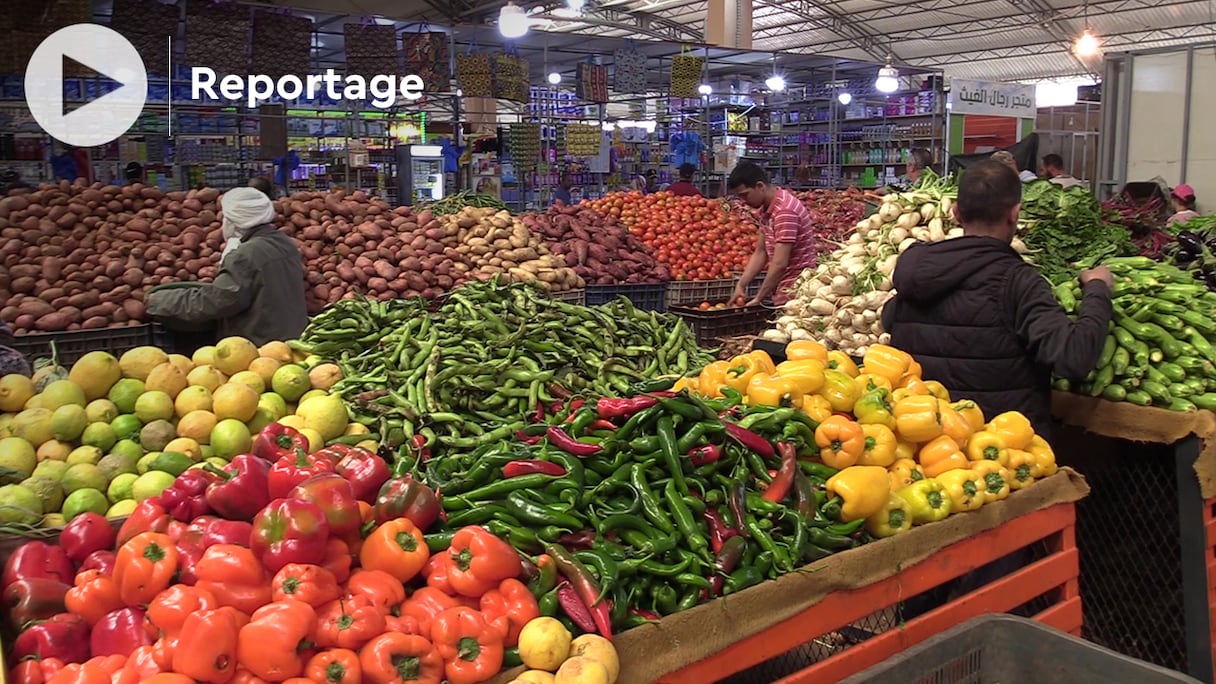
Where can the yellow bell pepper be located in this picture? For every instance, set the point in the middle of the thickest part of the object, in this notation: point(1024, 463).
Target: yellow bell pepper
point(872, 408)
point(740, 371)
point(918, 419)
point(886, 361)
point(972, 412)
point(691, 384)
point(772, 390)
point(891, 519)
point(938, 390)
point(987, 446)
point(712, 379)
point(903, 472)
point(764, 362)
point(869, 383)
point(799, 350)
point(863, 491)
point(939, 455)
point(817, 407)
point(879, 446)
point(915, 385)
point(1014, 428)
point(914, 371)
point(904, 450)
point(806, 374)
point(1022, 467)
point(927, 501)
point(841, 442)
point(1044, 455)
point(900, 393)
point(840, 391)
point(840, 361)
point(953, 424)
point(965, 488)
point(994, 480)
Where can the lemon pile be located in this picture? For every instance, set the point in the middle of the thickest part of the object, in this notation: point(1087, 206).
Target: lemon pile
point(554, 657)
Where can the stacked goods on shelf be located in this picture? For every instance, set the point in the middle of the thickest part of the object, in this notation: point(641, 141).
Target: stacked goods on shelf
point(1065, 230)
point(110, 432)
point(598, 247)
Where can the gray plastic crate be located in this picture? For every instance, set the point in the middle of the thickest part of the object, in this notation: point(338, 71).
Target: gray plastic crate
point(1004, 649)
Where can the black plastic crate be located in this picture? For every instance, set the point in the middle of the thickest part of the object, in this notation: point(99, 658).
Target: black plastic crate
point(711, 327)
point(577, 296)
point(697, 291)
point(651, 297)
point(73, 344)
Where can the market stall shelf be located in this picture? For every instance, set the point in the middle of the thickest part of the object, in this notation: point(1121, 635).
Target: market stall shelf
point(70, 345)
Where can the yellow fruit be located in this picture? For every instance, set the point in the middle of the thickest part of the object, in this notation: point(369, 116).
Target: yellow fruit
point(206, 376)
point(138, 362)
point(15, 390)
point(324, 376)
point(544, 643)
point(315, 440)
point(580, 670)
point(154, 405)
point(292, 421)
point(356, 429)
point(62, 393)
point(265, 369)
point(33, 425)
point(6, 421)
point(48, 374)
point(54, 450)
point(599, 649)
point(95, 373)
point(166, 378)
point(234, 354)
point(204, 356)
point(183, 363)
point(17, 460)
point(193, 398)
point(325, 414)
point(197, 425)
point(230, 438)
point(68, 422)
point(369, 444)
point(234, 400)
point(309, 395)
point(250, 378)
point(101, 411)
point(279, 351)
point(536, 677)
point(187, 446)
point(290, 382)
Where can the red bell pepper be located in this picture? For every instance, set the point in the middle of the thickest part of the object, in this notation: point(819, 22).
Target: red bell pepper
point(207, 531)
point(35, 671)
point(102, 561)
point(234, 577)
point(148, 516)
point(186, 498)
point(424, 604)
point(365, 471)
point(480, 561)
point(508, 608)
point(276, 441)
point(294, 468)
point(289, 531)
point(63, 636)
point(405, 497)
point(120, 633)
point(334, 453)
point(37, 559)
point(188, 556)
point(36, 598)
point(242, 489)
point(336, 498)
point(86, 533)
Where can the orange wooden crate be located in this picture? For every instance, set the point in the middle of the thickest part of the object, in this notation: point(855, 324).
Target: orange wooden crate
point(1209, 526)
point(1055, 576)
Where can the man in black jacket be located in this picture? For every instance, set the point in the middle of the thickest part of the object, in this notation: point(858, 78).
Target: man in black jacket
point(984, 322)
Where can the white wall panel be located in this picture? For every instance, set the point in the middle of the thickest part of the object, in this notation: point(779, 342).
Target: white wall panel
point(1158, 104)
point(1201, 148)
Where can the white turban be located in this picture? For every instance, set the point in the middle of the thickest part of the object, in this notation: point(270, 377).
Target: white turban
point(245, 208)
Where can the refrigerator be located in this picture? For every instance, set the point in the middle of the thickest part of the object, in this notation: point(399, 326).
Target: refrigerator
point(420, 176)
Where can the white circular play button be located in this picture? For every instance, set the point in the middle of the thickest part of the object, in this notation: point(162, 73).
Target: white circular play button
point(112, 58)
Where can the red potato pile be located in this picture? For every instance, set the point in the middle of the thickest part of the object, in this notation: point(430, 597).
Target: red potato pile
point(598, 247)
point(79, 257)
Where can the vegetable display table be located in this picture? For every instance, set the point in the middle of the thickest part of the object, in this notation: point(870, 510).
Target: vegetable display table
point(1147, 533)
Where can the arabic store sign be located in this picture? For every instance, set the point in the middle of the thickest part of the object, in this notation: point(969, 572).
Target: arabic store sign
point(994, 99)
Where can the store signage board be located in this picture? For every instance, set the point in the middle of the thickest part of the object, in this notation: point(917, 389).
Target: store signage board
point(992, 99)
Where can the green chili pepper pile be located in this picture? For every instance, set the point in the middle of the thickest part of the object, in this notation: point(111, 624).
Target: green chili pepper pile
point(452, 204)
point(666, 500)
point(1161, 350)
point(470, 373)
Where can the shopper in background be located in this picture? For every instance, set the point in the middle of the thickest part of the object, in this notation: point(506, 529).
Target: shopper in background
point(63, 165)
point(259, 291)
point(1183, 201)
point(263, 185)
point(562, 193)
point(787, 241)
point(134, 173)
point(639, 183)
point(1007, 159)
point(11, 360)
point(919, 159)
point(685, 187)
point(1053, 168)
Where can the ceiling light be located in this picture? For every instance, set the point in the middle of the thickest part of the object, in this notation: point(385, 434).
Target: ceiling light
point(513, 21)
point(555, 78)
point(775, 83)
point(1087, 44)
point(845, 98)
point(608, 126)
point(704, 89)
point(888, 79)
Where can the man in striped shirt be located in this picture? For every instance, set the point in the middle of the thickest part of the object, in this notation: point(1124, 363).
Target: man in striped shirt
point(787, 242)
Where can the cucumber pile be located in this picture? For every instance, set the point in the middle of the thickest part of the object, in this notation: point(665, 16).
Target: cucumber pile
point(1161, 350)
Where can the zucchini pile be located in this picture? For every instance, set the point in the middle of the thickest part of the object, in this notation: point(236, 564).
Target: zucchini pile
point(1160, 351)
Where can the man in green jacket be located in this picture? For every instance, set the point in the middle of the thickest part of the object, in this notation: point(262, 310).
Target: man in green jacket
point(258, 293)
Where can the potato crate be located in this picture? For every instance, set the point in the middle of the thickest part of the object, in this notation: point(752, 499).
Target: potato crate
point(73, 344)
point(697, 291)
point(649, 297)
point(576, 296)
point(711, 326)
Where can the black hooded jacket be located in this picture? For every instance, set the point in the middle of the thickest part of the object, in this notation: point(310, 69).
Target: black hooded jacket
point(985, 324)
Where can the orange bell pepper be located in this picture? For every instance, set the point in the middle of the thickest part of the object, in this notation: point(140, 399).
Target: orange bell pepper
point(244, 676)
point(142, 664)
point(384, 591)
point(941, 454)
point(311, 584)
point(234, 576)
point(799, 350)
point(169, 610)
point(270, 645)
point(175, 678)
point(508, 608)
point(207, 648)
point(914, 371)
point(395, 658)
point(841, 442)
point(90, 672)
point(338, 558)
point(471, 649)
point(887, 362)
point(144, 567)
point(334, 666)
point(424, 604)
point(1014, 428)
point(396, 547)
point(480, 561)
point(93, 596)
point(348, 623)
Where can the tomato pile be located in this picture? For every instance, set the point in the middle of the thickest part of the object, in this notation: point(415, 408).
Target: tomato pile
point(695, 237)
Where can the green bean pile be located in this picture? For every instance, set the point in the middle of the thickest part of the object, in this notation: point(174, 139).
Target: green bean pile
point(452, 204)
point(470, 373)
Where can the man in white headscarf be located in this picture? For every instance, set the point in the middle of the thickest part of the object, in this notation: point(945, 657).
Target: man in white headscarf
point(258, 293)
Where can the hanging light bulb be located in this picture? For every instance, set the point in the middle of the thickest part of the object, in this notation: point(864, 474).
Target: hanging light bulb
point(844, 98)
point(554, 78)
point(775, 83)
point(512, 21)
point(1087, 44)
point(705, 89)
point(888, 79)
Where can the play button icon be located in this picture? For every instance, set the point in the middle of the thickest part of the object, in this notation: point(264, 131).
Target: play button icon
point(112, 58)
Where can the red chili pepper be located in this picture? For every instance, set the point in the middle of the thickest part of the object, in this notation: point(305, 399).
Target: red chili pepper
point(532, 466)
point(562, 440)
point(575, 608)
point(601, 424)
point(780, 486)
point(750, 440)
point(609, 409)
point(583, 539)
point(538, 416)
point(576, 404)
point(704, 455)
point(738, 509)
point(586, 587)
point(718, 531)
point(527, 439)
point(644, 614)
